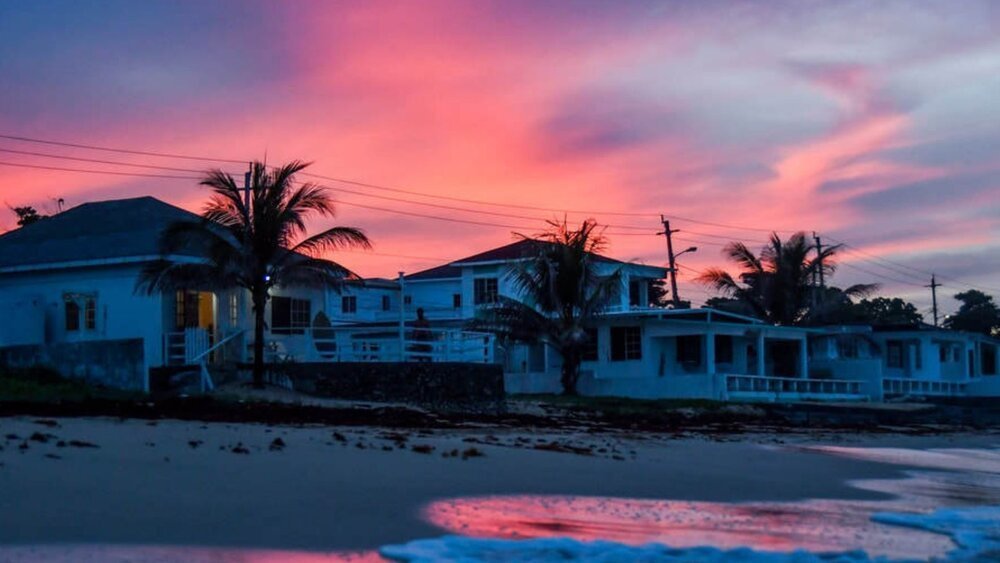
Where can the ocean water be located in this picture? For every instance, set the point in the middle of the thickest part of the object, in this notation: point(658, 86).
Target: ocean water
point(947, 509)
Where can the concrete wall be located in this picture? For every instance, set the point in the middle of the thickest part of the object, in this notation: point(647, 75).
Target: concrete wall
point(23, 320)
point(422, 382)
point(112, 363)
point(988, 386)
point(121, 312)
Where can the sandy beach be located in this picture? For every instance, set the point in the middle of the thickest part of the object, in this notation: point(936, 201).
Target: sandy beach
point(319, 489)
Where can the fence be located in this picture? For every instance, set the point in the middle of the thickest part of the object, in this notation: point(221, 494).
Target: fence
point(776, 388)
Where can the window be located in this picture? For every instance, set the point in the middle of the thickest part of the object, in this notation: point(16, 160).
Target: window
point(689, 349)
point(456, 300)
point(486, 290)
point(894, 353)
point(234, 309)
point(290, 316)
point(634, 294)
point(349, 304)
point(408, 300)
point(386, 303)
point(848, 348)
point(72, 316)
point(590, 346)
point(186, 309)
point(918, 356)
point(626, 343)
point(90, 314)
point(723, 349)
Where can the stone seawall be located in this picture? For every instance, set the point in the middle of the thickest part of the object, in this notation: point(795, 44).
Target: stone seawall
point(112, 363)
point(438, 383)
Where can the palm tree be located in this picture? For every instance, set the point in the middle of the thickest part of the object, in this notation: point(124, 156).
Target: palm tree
point(561, 293)
point(255, 245)
point(778, 285)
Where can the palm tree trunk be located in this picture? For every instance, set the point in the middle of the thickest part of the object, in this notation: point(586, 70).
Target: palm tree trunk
point(570, 373)
point(259, 304)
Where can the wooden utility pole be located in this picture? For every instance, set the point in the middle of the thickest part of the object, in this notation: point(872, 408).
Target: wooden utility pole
point(818, 295)
point(675, 299)
point(934, 285)
point(246, 187)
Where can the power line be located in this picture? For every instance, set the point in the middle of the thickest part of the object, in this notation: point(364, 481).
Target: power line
point(61, 169)
point(119, 150)
point(99, 161)
point(878, 275)
point(389, 188)
point(892, 263)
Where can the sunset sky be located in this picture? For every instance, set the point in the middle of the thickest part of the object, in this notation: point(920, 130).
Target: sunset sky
point(877, 124)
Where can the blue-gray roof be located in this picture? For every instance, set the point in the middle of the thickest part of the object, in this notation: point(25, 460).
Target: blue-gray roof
point(116, 229)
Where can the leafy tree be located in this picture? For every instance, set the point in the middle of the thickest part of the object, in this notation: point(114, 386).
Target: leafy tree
point(257, 247)
point(659, 295)
point(561, 293)
point(730, 305)
point(978, 313)
point(882, 311)
point(27, 215)
point(777, 285)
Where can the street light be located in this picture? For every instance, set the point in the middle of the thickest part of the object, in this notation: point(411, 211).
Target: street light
point(692, 249)
point(673, 274)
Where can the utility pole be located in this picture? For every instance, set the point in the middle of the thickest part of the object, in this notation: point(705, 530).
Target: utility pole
point(673, 263)
point(934, 285)
point(402, 317)
point(818, 296)
point(246, 186)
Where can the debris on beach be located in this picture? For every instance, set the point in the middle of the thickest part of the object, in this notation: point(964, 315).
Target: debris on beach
point(239, 448)
point(423, 448)
point(472, 452)
point(47, 422)
point(194, 444)
point(277, 445)
point(82, 444)
point(53, 456)
point(339, 437)
point(39, 437)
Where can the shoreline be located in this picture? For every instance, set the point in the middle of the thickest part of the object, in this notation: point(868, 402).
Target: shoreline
point(189, 483)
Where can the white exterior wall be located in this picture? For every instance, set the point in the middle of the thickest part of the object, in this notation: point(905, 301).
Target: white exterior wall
point(436, 299)
point(121, 312)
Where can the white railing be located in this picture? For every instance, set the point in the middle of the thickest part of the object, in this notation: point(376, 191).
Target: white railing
point(898, 386)
point(789, 387)
point(202, 360)
point(354, 344)
point(182, 347)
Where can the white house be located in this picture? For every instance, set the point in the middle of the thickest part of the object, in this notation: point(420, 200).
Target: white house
point(920, 360)
point(638, 350)
point(68, 292)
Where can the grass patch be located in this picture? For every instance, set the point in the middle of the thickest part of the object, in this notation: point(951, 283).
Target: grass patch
point(619, 405)
point(42, 385)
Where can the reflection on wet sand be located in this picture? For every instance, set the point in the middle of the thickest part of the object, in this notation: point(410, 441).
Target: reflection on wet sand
point(972, 479)
point(174, 554)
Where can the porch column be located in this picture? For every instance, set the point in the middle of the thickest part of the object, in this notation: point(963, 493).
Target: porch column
point(804, 358)
point(761, 363)
point(710, 353)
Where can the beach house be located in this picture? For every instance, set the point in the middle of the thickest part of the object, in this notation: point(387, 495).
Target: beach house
point(70, 299)
point(909, 360)
point(637, 349)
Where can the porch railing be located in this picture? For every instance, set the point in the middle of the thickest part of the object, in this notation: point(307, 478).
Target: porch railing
point(777, 387)
point(898, 386)
point(350, 344)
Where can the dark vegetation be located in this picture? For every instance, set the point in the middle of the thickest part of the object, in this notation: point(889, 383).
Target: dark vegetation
point(41, 393)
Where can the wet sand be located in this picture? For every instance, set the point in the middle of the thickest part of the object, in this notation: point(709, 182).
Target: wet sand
point(216, 484)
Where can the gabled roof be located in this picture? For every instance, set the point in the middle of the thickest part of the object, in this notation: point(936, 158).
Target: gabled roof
point(519, 250)
point(105, 230)
point(437, 273)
